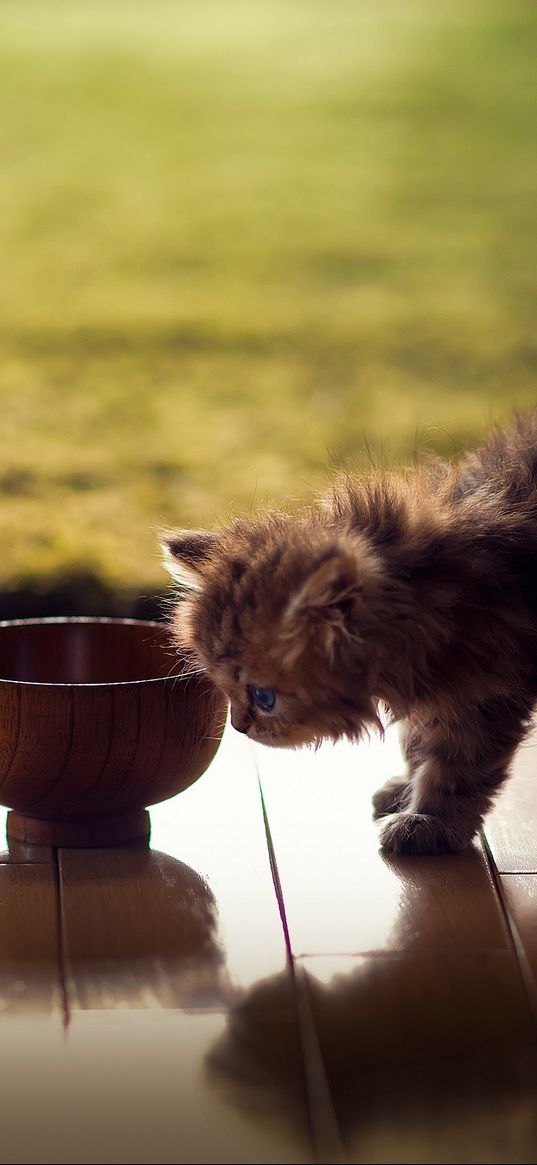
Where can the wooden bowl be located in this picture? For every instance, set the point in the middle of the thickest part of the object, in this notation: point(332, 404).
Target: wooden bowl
point(96, 724)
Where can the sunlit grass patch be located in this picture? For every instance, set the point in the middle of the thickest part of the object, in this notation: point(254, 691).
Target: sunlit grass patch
point(242, 242)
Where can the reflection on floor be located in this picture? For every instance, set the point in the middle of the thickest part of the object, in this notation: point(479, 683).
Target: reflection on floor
point(263, 985)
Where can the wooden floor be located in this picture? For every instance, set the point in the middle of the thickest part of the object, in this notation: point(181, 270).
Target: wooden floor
point(263, 985)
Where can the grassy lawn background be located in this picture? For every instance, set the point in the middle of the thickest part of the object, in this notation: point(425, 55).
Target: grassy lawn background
point(235, 238)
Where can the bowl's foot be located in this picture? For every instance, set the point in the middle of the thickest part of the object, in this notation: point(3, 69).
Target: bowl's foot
point(116, 829)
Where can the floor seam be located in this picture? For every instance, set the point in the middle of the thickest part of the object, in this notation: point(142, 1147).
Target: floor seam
point(517, 946)
point(61, 945)
point(326, 1137)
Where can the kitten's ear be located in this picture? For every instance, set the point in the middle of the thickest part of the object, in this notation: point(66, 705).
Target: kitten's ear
point(328, 602)
point(334, 582)
point(186, 554)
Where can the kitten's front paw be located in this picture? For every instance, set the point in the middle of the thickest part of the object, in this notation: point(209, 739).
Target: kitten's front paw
point(420, 833)
point(391, 797)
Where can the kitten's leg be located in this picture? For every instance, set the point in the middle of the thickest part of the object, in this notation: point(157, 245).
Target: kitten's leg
point(396, 793)
point(392, 797)
point(463, 763)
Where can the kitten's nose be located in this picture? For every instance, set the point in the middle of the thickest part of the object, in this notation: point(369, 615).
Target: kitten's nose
point(240, 723)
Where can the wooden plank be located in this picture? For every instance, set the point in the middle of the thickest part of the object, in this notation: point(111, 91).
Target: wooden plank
point(511, 827)
point(191, 926)
point(140, 929)
point(520, 897)
point(30, 979)
point(429, 1058)
point(417, 1007)
point(217, 828)
point(142, 1088)
point(170, 954)
point(342, 894)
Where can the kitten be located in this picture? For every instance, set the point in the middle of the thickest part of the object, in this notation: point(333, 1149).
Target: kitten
point(415, 591)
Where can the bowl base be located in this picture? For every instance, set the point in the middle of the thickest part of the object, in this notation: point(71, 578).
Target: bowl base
point(84, 832)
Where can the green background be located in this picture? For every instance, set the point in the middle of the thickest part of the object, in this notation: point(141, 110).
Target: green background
point(240, 241)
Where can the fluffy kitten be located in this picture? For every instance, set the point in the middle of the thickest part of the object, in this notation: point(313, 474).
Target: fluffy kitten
point(417, 591)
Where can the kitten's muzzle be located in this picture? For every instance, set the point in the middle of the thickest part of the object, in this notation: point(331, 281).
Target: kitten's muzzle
point(240, 723)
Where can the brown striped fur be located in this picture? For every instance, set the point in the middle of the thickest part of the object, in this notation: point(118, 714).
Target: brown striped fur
point(414, 591)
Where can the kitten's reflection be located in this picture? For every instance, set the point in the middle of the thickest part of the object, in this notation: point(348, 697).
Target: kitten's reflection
point(257, 1062)
point(432, 1045)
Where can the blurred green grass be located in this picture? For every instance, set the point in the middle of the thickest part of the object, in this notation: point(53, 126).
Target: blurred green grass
point(239, 241)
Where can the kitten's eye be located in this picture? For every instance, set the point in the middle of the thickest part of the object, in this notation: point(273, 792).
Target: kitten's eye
point(264, 698)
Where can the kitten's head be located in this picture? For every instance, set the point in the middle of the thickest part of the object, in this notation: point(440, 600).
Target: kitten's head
point(280, 613)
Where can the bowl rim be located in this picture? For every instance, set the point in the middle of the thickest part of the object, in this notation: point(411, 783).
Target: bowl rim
point(74, 619)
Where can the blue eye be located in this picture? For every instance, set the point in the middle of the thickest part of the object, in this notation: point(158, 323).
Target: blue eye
point(264, 698)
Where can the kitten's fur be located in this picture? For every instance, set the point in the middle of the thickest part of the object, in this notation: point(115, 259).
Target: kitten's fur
point(417, 591)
